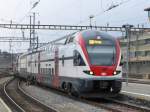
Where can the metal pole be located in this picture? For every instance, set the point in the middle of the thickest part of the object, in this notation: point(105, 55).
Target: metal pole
point(33, 25)
point(12, 61)
point(127, 29)
point(30, 30)
point(90, 22)
point(127, 62)
point(91, 17)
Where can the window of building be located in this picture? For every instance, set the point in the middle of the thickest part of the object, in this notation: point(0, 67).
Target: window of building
point(147, 41)
point(140, 53)
point(147, 53)
point(141, 42)
point(132, 54)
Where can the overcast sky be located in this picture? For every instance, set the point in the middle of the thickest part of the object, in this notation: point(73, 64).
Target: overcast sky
point(70, 12)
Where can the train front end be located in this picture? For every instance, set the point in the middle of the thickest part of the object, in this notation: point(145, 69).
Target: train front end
point(102, 55)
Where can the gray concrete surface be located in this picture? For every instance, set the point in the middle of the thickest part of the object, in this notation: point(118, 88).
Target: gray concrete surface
point(141, 91)
point(4, 107)
point(60, 103)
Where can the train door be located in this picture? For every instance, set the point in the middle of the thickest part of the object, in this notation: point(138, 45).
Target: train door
point(55, 77)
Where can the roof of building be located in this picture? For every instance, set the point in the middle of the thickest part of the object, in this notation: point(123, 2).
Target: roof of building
point(147, 9)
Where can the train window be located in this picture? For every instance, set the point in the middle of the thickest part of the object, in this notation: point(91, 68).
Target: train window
point(51, 49)
point(121, 62)
point(66, 41)
point(78, 60)
point(35, 63)
point(49, 72)
point(63, 61)
point(45, 70)
point(28, 63)
point(71, 39)
point(41, 70)
point(52, 71)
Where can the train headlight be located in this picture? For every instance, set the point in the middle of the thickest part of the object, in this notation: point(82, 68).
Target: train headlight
point(115, 73)
point(88, 72)
point(91, 72)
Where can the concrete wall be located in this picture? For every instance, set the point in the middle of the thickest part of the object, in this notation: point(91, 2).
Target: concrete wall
point(138, 70)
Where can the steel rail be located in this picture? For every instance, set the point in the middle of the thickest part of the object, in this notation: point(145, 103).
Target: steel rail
point(38, 101)
point(144, 109)
point(26, 95)
point(5, 91)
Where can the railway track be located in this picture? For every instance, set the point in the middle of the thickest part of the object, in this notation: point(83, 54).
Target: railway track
point(115, 105)
point(20, 101)
point(108, 104)
point(130, 105)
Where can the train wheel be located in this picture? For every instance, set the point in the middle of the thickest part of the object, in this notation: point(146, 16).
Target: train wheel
point(69, 88)
point(116, 86)
point(65, 86)
point(74, 92)
point(28, 81)
point(34, 81)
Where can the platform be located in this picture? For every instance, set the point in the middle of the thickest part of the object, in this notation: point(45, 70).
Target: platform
point(141, 91)
point(134, 80)
point(4, 107)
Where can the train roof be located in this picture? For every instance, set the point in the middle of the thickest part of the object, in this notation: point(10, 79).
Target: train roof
point(86, 34)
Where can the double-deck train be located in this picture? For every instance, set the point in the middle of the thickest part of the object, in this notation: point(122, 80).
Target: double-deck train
point(83, 63)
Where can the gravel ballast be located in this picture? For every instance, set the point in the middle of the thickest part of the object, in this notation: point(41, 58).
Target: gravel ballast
point(59, 102)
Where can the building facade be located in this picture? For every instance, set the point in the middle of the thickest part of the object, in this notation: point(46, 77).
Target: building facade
point(139, 54)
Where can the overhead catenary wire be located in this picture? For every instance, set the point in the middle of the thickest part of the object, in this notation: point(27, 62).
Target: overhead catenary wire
point(129, 19)
point(104, 11)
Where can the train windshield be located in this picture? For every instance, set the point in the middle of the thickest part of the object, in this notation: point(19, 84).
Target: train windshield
point(102, 55)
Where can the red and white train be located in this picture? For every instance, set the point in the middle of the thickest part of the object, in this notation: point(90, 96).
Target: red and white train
point(83, 63)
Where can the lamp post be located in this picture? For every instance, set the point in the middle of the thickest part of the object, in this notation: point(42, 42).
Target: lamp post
point(91, 17)
point(148, 10)
point(128, 35)
point(35, 4)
